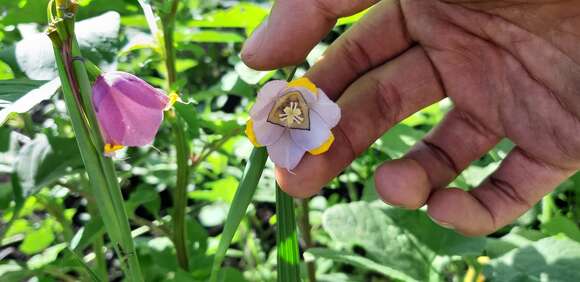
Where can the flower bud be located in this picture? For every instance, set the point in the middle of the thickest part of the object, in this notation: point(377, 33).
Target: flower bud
point(128, 109)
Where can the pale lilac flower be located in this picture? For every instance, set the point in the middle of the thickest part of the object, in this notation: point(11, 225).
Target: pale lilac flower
point(291, 119)
point(129, 110)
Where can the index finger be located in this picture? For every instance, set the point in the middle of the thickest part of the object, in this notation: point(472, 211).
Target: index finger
point(293, 28)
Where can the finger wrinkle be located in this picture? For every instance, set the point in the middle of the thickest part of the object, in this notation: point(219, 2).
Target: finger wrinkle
point(442, 156)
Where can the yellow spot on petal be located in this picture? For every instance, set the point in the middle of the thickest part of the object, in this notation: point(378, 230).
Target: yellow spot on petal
point(250, 133)
point(304, 82)
point(110, 149)
point(173, 98)
point(324, 147)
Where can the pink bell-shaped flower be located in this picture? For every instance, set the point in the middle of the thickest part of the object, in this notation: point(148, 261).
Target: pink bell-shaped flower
point(128, 109)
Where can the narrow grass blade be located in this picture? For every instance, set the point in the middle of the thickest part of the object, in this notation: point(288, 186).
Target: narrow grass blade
point(242, 199)
point(287, 239)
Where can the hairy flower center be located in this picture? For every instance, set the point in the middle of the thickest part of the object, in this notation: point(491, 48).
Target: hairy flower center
point(291, 111)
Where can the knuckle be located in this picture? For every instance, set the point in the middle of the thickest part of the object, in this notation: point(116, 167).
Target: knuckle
point(389, 103)
point(355, 55)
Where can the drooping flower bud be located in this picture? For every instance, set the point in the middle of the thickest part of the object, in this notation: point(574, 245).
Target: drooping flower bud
point(128, 109)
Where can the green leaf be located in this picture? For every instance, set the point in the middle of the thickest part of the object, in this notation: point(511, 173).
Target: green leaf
point(242, 199)
point(12, 89)
point(440, 240)
point(561, 225)
point(399, 140)
point(44, 160)
point(359, 224)
point(551, 259)
point(210, 36)
point(286, 238)
point(144, 194)
point(359, 262)
point(21, 95)
point(49, 255)
point(242, 15)
point(37, 240)
point(98, 39)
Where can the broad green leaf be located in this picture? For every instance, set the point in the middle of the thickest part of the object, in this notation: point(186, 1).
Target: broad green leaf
point(562, 225)
point(440, 240)
point(219, 190)
point(210, 36)
point(13, 89)
point(359, 261)
point(20, 96)
point(551, 259)
point(44, 160)
point(98, 38)
point(242, 15)
point(37, 240)
point(359, 224)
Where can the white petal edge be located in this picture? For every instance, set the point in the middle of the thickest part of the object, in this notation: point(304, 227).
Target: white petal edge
point(327, 109)
point(267, 133)
point(266, 98)
point(311, 139)
point(285, 153)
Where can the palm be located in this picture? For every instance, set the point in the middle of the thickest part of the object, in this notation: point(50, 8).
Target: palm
point(512, 70)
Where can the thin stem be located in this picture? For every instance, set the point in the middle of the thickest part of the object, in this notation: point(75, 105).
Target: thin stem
point(181, 144)
point(548, 208)
point(307, 236)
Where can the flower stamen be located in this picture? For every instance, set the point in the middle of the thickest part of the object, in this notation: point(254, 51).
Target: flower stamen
point(292, 114)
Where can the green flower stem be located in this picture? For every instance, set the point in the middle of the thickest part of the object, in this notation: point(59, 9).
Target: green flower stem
point(103, 182)
point(242, 199)
point(287, 239)
point(306, 229)
point(183, 151)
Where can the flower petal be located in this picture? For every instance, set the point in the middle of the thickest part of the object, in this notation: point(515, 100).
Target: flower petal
point(327, 109)
point(136, 89)
point(285, 153)
point(267, 133)
point(140, 123)
point(311, 139)
point(324, 147)
point(266, 98)
point(251, 135)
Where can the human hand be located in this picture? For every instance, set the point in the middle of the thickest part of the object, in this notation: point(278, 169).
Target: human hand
point(512, 69)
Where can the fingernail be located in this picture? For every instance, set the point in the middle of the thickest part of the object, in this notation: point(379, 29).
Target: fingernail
point(442, 223)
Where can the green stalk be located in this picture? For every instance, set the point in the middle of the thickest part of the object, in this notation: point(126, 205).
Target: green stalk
point(77, 91)
point(306, 229)
point(181, 145)
point(548, 208)
point(287, 239)
point(242, 199)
